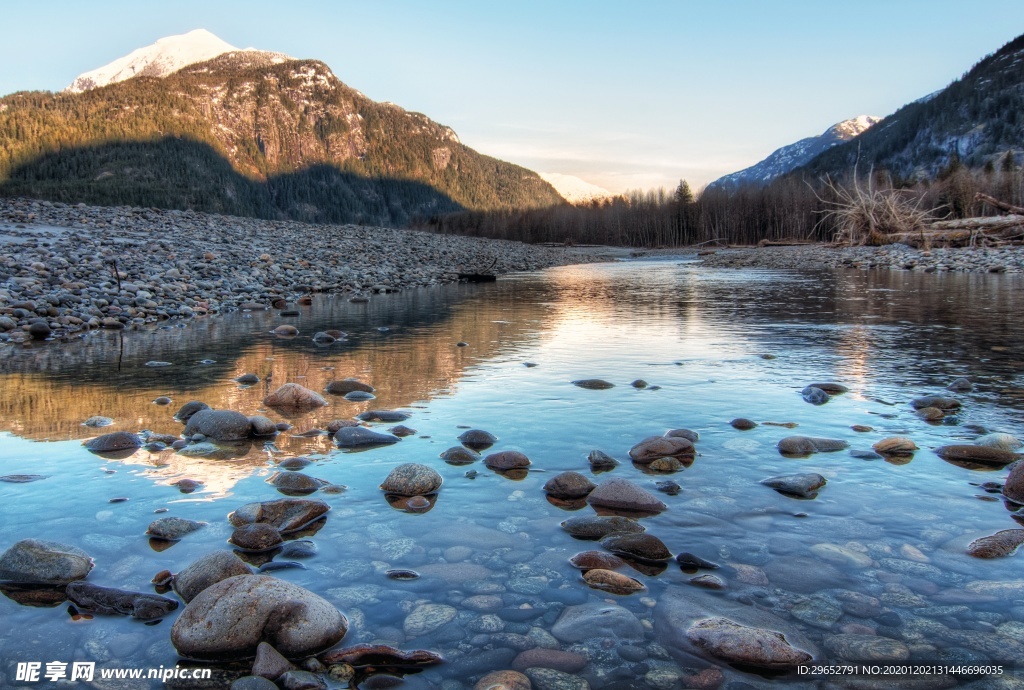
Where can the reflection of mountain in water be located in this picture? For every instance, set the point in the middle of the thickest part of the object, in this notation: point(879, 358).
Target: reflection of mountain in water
point(50, 388)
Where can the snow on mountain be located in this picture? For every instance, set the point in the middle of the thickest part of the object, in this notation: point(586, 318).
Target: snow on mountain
point(790, 157)
point(164, 57)
point(573, 189)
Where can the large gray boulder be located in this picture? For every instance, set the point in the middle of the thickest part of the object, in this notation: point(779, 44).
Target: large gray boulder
point(412, 479)
point(39, 562)
point(622, 494)
point(220, 425)
point(207, 571)
point(228, 620)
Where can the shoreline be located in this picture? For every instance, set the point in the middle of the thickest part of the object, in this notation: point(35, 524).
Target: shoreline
point(58, 261)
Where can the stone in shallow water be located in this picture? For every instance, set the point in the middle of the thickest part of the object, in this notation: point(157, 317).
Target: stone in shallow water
point(478, 439)
point(427, 618)
point(644, 547)
point(550, 679)
point(458, 455)
point(507, 460)
point(743, 424)
point(585, 621)
point(255, 537)
point(815, 395)
point(359, 396)
point(186, 411)
point(286, 514)
point(1013, 489)
point(219, 425)
point(206, 571)
point(691, 436)
point(688, 560)
point(262, 426)
point(656, 447)
point(295, 483)
point(598, 526)
point(1002, 543)
point(361, 437)
point(1001, 441)
point(293, 397)
point(867, 648)
point(347, 386)
point(173, 528)
point(569, 485)
point(36, 561)
point(831, 387)
point(116, 442)
point(109, 601)
point(895, 445)
point(961, 385)
point(611, 581)
point(601, 459)
point(229, 619)
point(98, 421)
point(22, 478)
point(740, 644)
point(935, 401)
point(593, 384)
point(589, 560)
point(983, 455)
point(623, 494)
point(503, 680)
point(804, 485)
point(805, 445)
point(383, 416)
point(412, 479)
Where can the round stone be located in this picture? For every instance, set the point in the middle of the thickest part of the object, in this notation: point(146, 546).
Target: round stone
point(412, 479)
point(507, 460)
point(569, 485)
point(35, 561)
point(219, 425)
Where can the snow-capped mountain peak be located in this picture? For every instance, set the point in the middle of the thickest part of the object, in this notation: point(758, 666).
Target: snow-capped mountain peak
point(792, 156)
point(573, 189)
point(164, 57)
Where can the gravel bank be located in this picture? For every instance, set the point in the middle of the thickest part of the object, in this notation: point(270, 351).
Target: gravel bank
point(58, 263)
point(894, 256)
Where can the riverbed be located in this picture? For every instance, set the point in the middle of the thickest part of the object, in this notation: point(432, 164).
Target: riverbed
point(874, 564)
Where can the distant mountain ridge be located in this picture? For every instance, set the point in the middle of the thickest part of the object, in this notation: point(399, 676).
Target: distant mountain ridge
point(975, 120)
point(787, 158)
point(573, 189)
point(293, 141)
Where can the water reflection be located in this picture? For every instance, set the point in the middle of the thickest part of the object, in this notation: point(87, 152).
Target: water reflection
point(890, 532)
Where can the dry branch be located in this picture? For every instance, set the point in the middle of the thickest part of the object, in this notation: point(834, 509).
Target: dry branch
point(1001, 205)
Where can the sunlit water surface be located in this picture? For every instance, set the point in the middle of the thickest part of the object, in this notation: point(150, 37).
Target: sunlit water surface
point(697, 336)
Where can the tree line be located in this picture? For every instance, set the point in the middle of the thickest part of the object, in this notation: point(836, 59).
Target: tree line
point(794, 207)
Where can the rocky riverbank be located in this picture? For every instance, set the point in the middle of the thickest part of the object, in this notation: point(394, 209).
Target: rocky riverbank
point(65, 269)
point(893, 256)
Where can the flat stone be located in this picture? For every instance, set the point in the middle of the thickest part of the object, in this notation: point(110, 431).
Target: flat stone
point(611, 581)
point(867, 648)
point(566, 662)
point(983, 455)
point(598, 526)
point(383, 416)
point(1002, 543)
point(597, 619)
point(895, 445)
point(660, 447)
point(427, 618)
point(804, 485)
point(805, 445)
point(593, 384)
point(229, 619)
point(644, 547)
point(740, 644)
point(551, 679)
point(358, 437)
point(285, 515)
point(173, 528)
point(507, 460)
point(107, 600)
point(35, 561)
point(938, 401)
point(347, 386)
point(623, 494)
point(503, 680)
point(116, 442)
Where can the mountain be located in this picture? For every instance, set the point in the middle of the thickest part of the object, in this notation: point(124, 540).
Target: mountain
point(573, 189)
point(787, 158)
point(975, 120)
point(248, 133)
point(167, 55)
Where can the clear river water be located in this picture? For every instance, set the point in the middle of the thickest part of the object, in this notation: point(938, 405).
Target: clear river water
point(880, 552)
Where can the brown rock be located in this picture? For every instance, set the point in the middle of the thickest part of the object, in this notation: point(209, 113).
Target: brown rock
point(895, 445)
point(293, 397)
point(1013, 489)
point(256, 537)
point(644, 547)
point(743, 424)
point(1002, 543)
point(983, 455)
point(592, 560)
point(744, 645)
point(285, 329)
point(503, 680)
point(285, 514)
point(569, 485)
point(622, 494)
point(566, 662)
point(507, 460)
point(347, 386)
point(611, 581)
point(660, 447)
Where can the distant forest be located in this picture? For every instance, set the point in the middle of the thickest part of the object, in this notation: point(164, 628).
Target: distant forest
point(794, 207)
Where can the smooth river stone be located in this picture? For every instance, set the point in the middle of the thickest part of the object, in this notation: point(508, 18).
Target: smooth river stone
point(622, 494)
point(895, 445)
point(1013, 489)
point(740, 644)
point(503, 680)
point(172, 528)
point(938, 401)
point(598, 526)
point(814, 395)
point(285, 514)
point(219, 425)
point(358, 436)
point(507, 460)
point(347, 386)
point(831, 388)
point(590, 560)
point(1001, 441)
point(458, 455)
point(293, 397)
point(983, 455)
point(256, 537)
point(383, 416)
point(228, 620)
point(1002, 543)
point(186, 411)
point(207, 571)
point(840, 555)
point(35, 561)
point(412, 479)
point(804, 485)
point(805, 445)
point(656, 447)
point(116, 442)
point(644, 547)
point(477, 439)
point(597, 619)
point(593, 384)
point(427, 618)
point(569, 485)
point(611, 581)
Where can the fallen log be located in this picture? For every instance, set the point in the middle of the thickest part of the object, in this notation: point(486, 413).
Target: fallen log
point(1001, 205)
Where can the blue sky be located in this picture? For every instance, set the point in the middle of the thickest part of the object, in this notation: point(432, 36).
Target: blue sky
point(624, 95)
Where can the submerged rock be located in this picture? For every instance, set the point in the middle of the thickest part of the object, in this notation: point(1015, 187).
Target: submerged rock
point(688, 560)
point(961, 385)
point(98, 421)
point(983, 455)
point(735, 643)
point(107, 600)
point(598, 526)
point(611, 581)
point(867, 648)
point(742, 424)
point(1002, 543)
point(383, 416)
point(229, 619)
point(830, 387)
point(814, 395)
point(35, 561)
point(1000, 441)
point(596, 620)
point(412, 479)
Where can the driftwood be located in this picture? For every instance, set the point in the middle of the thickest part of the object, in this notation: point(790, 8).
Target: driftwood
point(1001, 205)
point(963, 232)
point(784, 243)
